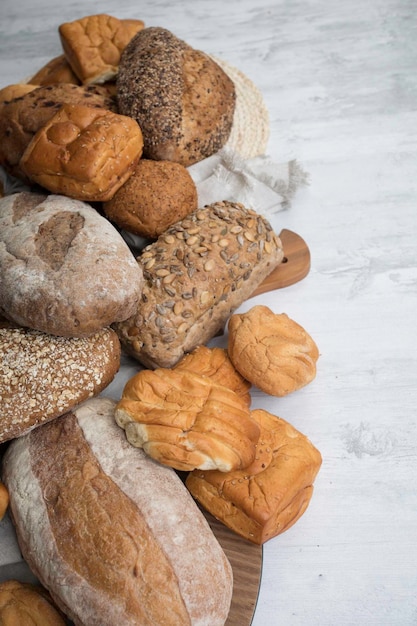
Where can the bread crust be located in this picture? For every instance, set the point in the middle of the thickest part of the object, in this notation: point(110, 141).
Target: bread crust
point(83, 153)
point(22, 117)
point(57, 70)
point(196, 274)
point(64, 269)
point(186, 421)
point(24, 603)
point(271, 350)
point(181, 98)
point(269, 496)
point(42, 376)
point(93, 45)
point(113, 536)
point(156, 195)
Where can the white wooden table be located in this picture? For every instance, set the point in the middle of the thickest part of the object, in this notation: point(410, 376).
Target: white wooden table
point(340, 83)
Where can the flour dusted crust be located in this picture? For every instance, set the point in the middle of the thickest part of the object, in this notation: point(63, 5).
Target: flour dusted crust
point(271, 350)
point(118, 538)
point(181, 98)
point(24, 603)
point(64, 269)
point(84, 153)
point(196, 274)
point(93, 45)
point(269, 496)
point(42, 376)
point(186, 421)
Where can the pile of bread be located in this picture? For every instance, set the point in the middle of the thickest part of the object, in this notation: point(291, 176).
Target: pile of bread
point(102, 137)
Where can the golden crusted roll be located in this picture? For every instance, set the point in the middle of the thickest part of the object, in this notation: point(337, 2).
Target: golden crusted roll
point(24, 604)
point(93, 45)
point(271, 350)
point(83, 153)
point(187, 421)
point(158, 194)
point(4, 500)
point(216, 364)
point(270, 495)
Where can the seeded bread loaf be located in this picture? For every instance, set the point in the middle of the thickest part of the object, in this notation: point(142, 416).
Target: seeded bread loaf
point(83, 152)
point(115, 537)
point(64, 269)
point(196, 274)
point(181, 98)
point(22, 117)
point(42, 376)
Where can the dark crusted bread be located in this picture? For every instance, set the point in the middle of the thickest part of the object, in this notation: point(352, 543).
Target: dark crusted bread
point(196, 274)
point(114, 536)
point(181, 98)
point(64, 269)
point(23, 116)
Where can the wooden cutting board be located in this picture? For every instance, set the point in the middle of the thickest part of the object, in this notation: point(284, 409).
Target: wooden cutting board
point(294, 266)
point(246, 561)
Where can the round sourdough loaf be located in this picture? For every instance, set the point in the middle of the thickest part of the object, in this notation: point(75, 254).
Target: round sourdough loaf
point(64, 269)
point(114, 536)
point(42, 376)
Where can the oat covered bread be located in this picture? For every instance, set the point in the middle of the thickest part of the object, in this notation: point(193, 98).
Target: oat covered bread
point(181, 98)
point(271, 350)
point(216, 364)
point(22, 117)
point(83, 152)
point(269, 496)
point(156, 195)
point(196, 274)
point(186, 421)
point(42, 376)
point(57, 70)
point(120, 531)
point(24, 604)
point(93, 45)
point(64, 269)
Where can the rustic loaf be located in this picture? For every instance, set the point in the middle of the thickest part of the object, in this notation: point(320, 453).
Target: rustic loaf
point(64, 269)
point(196, 274)
point(269, 496)
point(42, 376)
point(23, 116)
point(115, 537)
point(83, 152)
point(181, 98)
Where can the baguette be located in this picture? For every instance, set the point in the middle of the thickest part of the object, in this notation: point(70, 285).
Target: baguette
point(113, 536)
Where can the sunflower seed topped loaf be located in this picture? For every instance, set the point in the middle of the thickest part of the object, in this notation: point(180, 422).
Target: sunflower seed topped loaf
point(195, 275)
point(181, 98)
point(64, 269)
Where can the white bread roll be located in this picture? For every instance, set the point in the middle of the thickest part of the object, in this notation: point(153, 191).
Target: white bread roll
point(114, 536)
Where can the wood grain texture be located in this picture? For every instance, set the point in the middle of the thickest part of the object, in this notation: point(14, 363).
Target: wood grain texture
point(293, 268)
